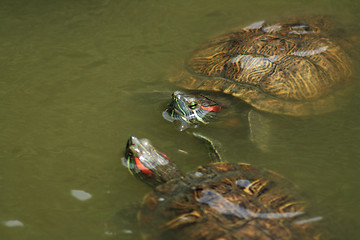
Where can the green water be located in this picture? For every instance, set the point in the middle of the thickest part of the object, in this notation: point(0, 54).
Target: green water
point(79, 77)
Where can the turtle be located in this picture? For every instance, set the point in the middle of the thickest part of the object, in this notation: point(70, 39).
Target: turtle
point(296, 67)
point(217, 201)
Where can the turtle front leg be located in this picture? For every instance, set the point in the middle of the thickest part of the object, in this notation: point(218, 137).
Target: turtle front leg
point(212, 146)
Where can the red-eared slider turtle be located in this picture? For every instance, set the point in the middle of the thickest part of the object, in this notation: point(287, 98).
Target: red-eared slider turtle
point(296, 67)
point(217, 201)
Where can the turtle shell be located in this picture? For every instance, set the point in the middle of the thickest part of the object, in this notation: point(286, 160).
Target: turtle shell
point(292, 67)
point(225, 201)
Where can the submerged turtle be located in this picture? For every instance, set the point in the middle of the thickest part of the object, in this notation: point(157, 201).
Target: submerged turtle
point(296, 67)
point(217, 201)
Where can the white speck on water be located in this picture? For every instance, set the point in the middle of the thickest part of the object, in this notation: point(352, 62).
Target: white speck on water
point(108, 233)
point(13, 223)
point(182, 151)
point(127, 231)
point(81, 195)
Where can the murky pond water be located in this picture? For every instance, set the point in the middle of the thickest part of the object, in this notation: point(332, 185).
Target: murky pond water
point(79, 77)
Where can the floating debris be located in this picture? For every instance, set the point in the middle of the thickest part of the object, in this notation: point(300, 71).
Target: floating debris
point(182, 151)
point(13, 223)
point(81, 195)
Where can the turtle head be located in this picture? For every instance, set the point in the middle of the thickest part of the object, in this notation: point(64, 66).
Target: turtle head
point(187, 110)
point(147, 163)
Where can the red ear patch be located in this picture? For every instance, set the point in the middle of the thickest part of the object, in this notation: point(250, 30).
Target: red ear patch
point(213, 108)
point(142, 168)
point(162, 154)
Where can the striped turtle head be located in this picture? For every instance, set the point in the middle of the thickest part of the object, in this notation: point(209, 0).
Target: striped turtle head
point(190, 110)
point(147, 163)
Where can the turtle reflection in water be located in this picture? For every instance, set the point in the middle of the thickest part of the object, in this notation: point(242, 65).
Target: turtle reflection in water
point(296, 67)
point(217, 201)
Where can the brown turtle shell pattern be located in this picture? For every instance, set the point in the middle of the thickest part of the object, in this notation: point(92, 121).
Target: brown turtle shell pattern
point(291, 68)
point(245, 203)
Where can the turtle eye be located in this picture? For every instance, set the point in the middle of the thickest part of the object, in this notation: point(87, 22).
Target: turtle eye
point(129, 154)
point(192, 105)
